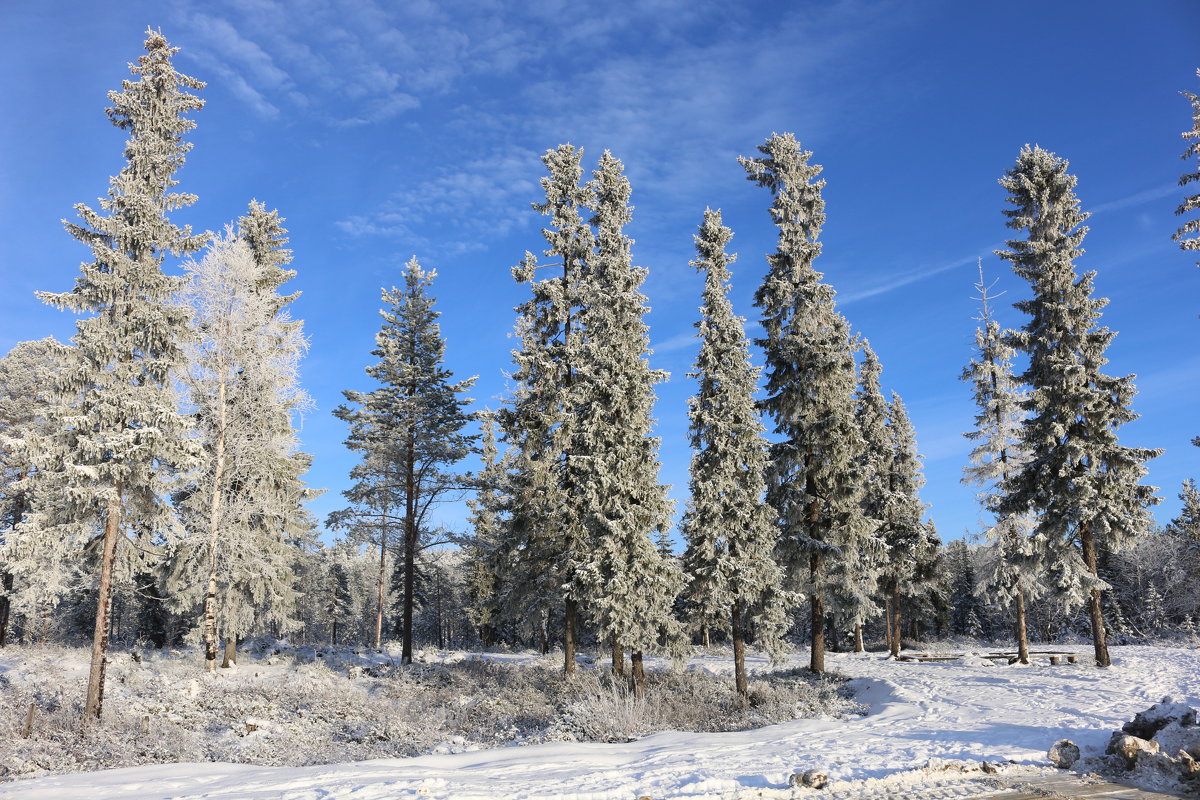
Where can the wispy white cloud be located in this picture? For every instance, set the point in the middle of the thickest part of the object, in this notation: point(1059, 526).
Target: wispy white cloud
point(681, 341)
point(903, 279)
point(1138, 198)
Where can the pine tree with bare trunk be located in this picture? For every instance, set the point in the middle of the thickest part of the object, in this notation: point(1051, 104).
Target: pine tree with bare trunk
point(1082, 485)
point(410, 428)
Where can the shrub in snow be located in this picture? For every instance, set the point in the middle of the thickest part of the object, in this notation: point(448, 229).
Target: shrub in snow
point(310, 710)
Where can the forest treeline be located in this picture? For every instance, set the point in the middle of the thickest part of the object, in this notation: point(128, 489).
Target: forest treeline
point(153, 485)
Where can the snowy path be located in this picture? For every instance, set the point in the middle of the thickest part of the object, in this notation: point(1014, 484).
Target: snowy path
point(948, 711)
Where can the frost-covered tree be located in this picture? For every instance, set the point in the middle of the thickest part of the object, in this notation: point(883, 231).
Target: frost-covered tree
point(243, 386)
point(966, 610)
point(27, 416)
point(122, 433)
point(910, 552)
point(732, 578)
point(1015, 566)
point(629, 585)
point(813, 482)
point(550, 468)
point(856, 594)
point(1187, 523)
point(409, 429)
point(1188, 234)
point(487, 550)
point(1082, 485)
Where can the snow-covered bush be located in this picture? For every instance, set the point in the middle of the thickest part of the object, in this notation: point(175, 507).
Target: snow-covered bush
point(292, 706)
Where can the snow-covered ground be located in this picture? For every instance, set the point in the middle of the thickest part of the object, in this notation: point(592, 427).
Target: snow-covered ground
point(957, 711)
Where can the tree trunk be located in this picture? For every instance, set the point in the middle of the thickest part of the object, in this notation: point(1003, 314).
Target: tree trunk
point(812, 514)
point(230, 660)
point(383, 530)
point(571, 612)
point(6, 584)
point(637, 672)
point(739, 651)
point(1099, 639)
point(618, 657)
point(858, 639)
point(705, 637)
point(6, 578)
point(214, 521)
point(896, 620)
point(410, 543)
point(333, 633)
point(887, 621)
point(1022, 630)
point(112, 529)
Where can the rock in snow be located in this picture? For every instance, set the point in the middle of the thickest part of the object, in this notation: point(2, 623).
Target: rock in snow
point(1063, 754)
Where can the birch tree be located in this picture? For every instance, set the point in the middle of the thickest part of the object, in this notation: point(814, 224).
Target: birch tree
point(243, 383)
point(729, 565)
point(123, 433)
point(813, 481)
point(1082, 485)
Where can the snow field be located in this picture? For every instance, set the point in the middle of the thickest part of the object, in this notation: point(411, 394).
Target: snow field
point(951, 711)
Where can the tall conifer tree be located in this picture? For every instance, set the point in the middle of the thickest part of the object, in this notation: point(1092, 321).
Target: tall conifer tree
point(813, 482)
point(911, 545)
point(411, 423)
point(552, 471)
point(1082, 485)
point(733, 580)
point(856, 594)
point(1188, 234)
point(123, 431)
point(629, 584)
point(1014, 573)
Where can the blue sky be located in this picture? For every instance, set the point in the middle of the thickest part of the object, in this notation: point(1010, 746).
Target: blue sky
point(386, 130)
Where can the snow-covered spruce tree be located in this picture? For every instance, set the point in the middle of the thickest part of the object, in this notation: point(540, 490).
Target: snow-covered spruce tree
point(123, 433)
point(814, 481)
point(909, 558)
point(409, 428)
point(1082, 485)
point(550, 468)
point(630, 586)
point(27, 417)
point(487, 549)
point(1187, 524)
point(966, 610)
point(1188, 234)
point(856, 593)
point(243, 386)
point(1015, 564)
point(732, 578)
